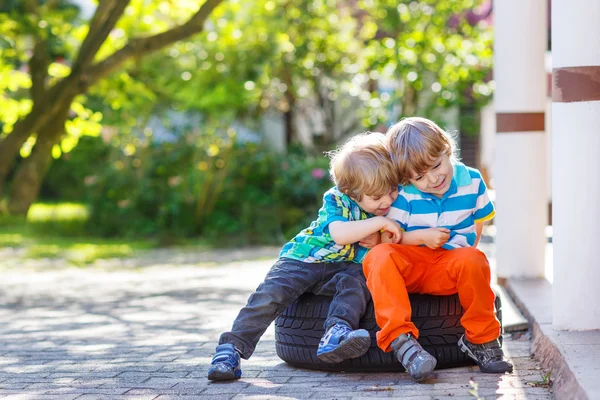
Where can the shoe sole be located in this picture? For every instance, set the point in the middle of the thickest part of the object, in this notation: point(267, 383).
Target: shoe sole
point(463, 347)
point(224, 375)
point(357, 344)
point(425, 372)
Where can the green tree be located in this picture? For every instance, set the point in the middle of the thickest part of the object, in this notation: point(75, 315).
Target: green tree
point(120, 31)
point(265, 55)
point(435, 52)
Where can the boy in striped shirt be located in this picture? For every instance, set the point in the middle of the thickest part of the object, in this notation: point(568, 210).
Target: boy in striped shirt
point(441, 207)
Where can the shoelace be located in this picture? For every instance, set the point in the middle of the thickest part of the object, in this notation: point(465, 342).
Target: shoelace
point(229, 359)
point(334, 331)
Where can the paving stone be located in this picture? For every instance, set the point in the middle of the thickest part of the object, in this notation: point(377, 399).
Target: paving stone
point(91, 396)
point(40, 397)
point(263, 397)
point(194, 397)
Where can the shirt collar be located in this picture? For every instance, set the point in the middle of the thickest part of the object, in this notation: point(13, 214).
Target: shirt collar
point(461, 174)
point(352, 202)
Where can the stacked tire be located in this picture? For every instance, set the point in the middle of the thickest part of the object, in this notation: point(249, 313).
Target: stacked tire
point(300, 327)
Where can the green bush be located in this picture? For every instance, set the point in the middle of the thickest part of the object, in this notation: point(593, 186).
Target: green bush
point(225, 191)
point(65, 180)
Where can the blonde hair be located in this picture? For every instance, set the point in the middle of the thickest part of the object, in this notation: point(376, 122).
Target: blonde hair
point(415, 143)
point(363, 165)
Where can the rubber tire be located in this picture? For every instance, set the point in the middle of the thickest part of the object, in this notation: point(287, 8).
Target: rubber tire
point(300, 327)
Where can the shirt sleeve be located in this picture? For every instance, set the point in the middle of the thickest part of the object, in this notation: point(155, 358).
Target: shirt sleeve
point(400, 211)
point(484, 208)
point(334, 209)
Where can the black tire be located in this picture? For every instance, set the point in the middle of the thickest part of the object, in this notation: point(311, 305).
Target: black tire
point(300, 327)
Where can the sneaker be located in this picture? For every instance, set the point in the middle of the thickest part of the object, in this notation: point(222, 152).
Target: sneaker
point(489, 356)
point(340, 342)
point(225, 364)
point(417, 362)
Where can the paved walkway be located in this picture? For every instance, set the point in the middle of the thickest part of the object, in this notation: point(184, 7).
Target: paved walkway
point(149, 333)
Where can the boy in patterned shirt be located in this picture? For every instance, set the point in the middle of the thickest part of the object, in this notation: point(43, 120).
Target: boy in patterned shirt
point(325, 259)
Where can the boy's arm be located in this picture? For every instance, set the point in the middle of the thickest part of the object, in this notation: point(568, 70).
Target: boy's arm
point(399, 212)
point(413, 238)
point(373, 240)
point(478, 230)
point(484, 208)
point(431, 237)
point(347, 232)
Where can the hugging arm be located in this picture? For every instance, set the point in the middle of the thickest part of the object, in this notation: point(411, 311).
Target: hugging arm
point(347, 232)
point(431, 237)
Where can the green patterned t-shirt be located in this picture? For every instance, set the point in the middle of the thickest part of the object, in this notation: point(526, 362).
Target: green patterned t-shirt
point(314, 244)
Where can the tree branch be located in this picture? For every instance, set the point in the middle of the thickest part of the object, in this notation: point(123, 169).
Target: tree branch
point(39, 61)
point(104, 20)
point(141, 46)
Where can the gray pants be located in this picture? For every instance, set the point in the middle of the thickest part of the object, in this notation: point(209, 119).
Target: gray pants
point(284, 283)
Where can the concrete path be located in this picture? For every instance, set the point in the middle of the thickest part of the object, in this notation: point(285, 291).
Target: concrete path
point(149, 332)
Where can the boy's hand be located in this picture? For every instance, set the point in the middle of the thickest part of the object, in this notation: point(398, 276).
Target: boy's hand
point(435, 237)
point(371, 241)
point(392, 231)
point(386, 237)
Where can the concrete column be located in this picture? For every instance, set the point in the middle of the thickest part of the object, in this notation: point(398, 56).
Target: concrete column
point(576, 163)
point(520, 170)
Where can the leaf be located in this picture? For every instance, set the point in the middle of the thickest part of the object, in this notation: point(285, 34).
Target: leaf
point(56, 152)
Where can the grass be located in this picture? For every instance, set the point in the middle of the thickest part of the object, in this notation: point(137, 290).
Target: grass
point(546, 381)
point(57, 231)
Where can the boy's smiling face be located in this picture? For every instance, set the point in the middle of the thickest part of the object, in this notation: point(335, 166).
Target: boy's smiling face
point(378, 205)
point(436, 180)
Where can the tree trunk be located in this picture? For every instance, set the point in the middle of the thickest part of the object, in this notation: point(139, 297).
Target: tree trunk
point(11, 144)
point(469, 138)
point(30, 174)
point(49, 104)
point(45, 110)
point(289, 118)
point(290, 133)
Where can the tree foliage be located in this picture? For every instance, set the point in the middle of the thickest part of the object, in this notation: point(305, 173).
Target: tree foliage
point(341, 65)
point(32, 30)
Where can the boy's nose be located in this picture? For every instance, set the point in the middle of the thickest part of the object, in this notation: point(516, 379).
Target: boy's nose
point(432, 179)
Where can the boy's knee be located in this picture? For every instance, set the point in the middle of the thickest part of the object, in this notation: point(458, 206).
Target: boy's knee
point(372, 261)
point(474, 259)
point(354, 283)
point(381, 258)
point(472, 255)
point(383, 250)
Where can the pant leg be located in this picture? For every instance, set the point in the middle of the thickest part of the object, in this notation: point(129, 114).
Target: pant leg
point(349, 290)
point(466, 271)
point(393, 271)
point(284, 283)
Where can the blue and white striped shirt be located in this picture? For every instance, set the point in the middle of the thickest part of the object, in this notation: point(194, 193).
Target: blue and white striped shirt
point(465, 203)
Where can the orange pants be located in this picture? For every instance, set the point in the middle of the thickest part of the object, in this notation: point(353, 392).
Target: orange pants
point(394, 270)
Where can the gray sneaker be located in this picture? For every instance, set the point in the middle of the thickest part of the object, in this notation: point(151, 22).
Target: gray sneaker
point(417, 362)
point(489, 356)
